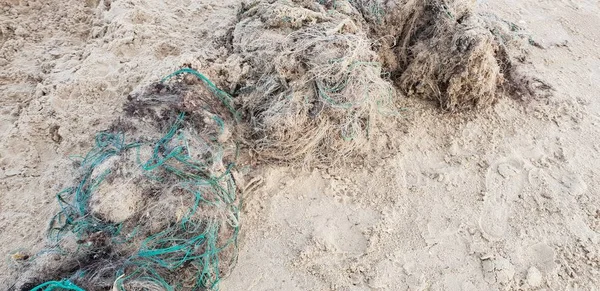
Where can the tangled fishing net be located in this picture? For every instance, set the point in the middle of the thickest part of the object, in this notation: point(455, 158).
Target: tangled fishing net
point(154, 205)
point(443, 50)
point(315, 78)
point(315, 91)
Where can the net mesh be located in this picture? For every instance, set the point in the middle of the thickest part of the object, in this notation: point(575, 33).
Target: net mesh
point(194, 247)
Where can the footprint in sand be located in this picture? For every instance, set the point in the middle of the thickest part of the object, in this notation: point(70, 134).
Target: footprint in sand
point(504, 182)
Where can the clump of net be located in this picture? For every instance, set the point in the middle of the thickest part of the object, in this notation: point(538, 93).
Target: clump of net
point(442, 50)
point(453, 61)
point(316, 91)
point(155, 204)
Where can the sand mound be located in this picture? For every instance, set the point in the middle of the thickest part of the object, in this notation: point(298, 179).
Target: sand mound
point(315, 91)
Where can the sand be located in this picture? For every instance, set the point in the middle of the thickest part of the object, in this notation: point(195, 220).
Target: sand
point(497, 199)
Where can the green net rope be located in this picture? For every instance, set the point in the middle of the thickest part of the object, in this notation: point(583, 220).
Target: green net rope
point(189, 242)
point(57, 285)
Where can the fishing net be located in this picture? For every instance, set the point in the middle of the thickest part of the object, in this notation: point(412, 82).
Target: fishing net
point(154, 205)
point(317, 89)
point(454, 60)
point(314, 78)
point(443, 50)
